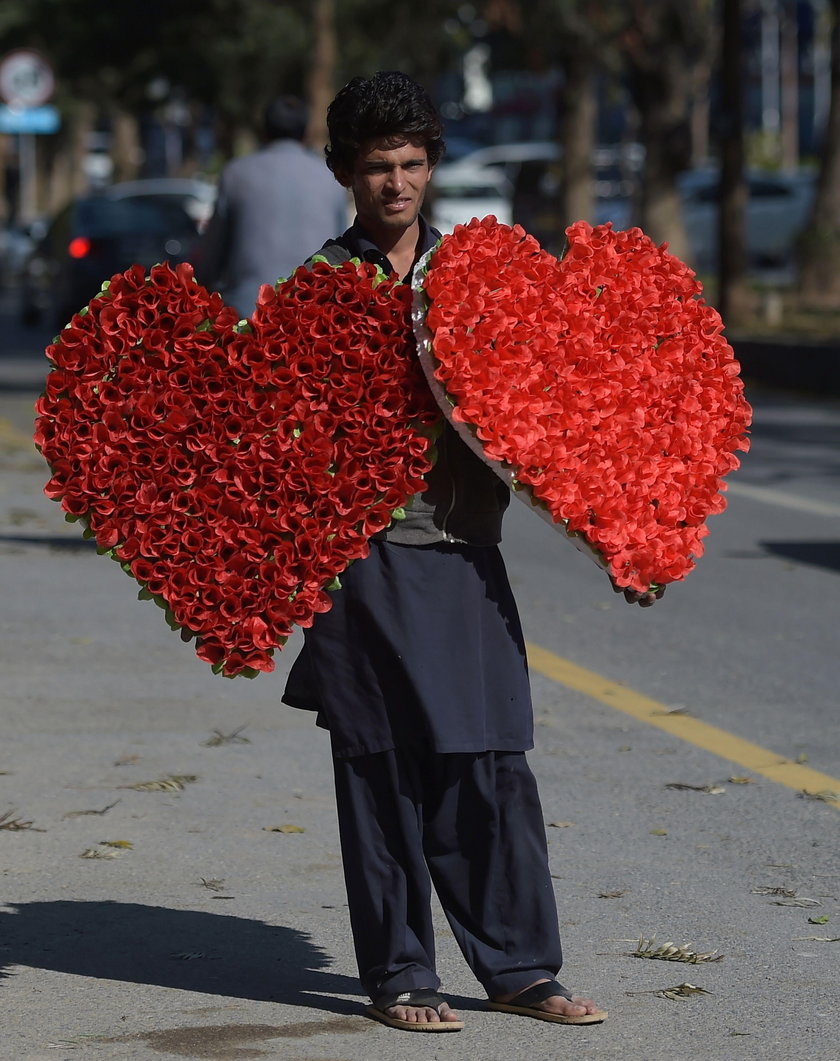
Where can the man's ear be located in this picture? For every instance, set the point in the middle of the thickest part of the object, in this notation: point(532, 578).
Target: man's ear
point(344, 177)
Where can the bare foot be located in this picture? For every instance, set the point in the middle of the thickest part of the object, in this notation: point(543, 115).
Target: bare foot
point(422, 1014)
point(563, 1007)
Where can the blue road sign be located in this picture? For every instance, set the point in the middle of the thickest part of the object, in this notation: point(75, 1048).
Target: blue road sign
point(29, 119)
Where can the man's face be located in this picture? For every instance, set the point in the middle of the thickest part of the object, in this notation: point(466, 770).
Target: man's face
point(388, 185)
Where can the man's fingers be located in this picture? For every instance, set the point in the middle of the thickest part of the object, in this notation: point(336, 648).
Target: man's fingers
point(632, 596)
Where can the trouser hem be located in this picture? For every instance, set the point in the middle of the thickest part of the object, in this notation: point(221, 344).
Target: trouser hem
point(405, 980)
point(513, 983)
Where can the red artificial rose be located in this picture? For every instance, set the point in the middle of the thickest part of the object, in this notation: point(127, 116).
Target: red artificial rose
point(233, 470)
point(601, 383)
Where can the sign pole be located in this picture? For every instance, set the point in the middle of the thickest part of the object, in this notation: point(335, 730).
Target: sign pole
point(27, 162)
point(26, 83)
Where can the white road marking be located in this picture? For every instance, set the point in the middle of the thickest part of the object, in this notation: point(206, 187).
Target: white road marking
point(784, 500)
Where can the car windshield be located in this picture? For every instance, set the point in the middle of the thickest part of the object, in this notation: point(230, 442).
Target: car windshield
point(120, 217)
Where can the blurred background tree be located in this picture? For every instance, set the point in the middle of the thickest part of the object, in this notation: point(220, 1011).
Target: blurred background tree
point(819, 244)
point(163, 88)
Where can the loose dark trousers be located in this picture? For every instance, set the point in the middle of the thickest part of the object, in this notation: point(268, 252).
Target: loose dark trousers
point(474, 819)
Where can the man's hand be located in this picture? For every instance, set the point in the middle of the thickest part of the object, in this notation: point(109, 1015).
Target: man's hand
point(644, 600)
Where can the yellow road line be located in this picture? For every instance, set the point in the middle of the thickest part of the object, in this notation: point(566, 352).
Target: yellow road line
point(726, 745)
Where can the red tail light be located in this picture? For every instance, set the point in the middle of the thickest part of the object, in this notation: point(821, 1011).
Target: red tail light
point(79, 247)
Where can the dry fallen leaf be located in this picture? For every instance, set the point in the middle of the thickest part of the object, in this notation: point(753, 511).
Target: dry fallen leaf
point(788, 892)
point(819, 939)
point(81, 813)
point(741, 780)
point(125, 845)
point(226, 738)
point(796, 902)
point(826, 795)
point(175, 783)
point(12, 824)
point(667, 952)
point(610, 895)
point(684, 990)
point(97, 852)
point(659, 832)
point(215, 884)
point(283, 829)
point(561, 825)
point(711, 789)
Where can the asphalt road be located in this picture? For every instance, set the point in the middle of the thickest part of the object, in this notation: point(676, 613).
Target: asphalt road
point(214, 936)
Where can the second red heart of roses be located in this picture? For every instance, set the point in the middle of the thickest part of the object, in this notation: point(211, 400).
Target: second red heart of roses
point(600, 385)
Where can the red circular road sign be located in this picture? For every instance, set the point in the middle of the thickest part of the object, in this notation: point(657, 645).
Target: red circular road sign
point(26, 79)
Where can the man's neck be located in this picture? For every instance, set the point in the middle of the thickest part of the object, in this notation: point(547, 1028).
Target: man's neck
point(396, 243)
point(398, 247)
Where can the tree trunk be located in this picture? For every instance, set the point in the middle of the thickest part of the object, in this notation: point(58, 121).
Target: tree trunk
point(65, 169)
point(322, 73)
point(819, 244)
point(663, 44)
point(578, 140)
point(790, 87)
point(664, 131)
point(700, 110)
point(733, 293)
point(125, 145)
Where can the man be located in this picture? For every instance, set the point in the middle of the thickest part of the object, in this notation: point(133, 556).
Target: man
point(273, 206)
point(419, 671)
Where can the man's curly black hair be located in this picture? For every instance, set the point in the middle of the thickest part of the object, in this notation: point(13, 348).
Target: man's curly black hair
point(389, 105)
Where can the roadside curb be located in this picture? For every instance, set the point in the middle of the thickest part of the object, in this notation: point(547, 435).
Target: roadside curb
point(790, 363)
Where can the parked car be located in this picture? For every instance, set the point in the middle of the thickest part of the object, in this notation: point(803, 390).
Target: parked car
point(16, 243)
point(93, 238)
point(459, 194)
point(778, 205)
point(533, 170)
point(615, 166)
point(504, 158)
point(197, 197)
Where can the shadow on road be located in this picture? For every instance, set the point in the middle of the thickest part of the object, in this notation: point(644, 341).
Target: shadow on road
point(50, 542)
point(820, 554)
point(188, 950)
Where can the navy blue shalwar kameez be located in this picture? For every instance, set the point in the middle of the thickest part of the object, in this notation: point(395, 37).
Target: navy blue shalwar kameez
point(419, 673)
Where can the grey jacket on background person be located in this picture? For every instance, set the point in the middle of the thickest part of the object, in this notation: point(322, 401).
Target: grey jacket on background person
point(273, 206)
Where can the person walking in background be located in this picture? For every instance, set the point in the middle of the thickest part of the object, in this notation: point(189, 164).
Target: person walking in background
point(419, 673)
point(273, 206)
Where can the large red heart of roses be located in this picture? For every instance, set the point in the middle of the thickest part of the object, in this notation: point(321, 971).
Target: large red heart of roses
point(600, 386)
point(234, 469)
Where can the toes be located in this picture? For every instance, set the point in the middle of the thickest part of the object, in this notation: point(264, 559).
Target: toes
point(575, 1007)
point(419, 1014)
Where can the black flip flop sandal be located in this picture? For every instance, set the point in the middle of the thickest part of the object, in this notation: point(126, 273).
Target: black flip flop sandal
point(422, 997)
point(526, 1005)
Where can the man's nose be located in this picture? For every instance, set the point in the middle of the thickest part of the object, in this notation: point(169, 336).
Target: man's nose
point(396, 180)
